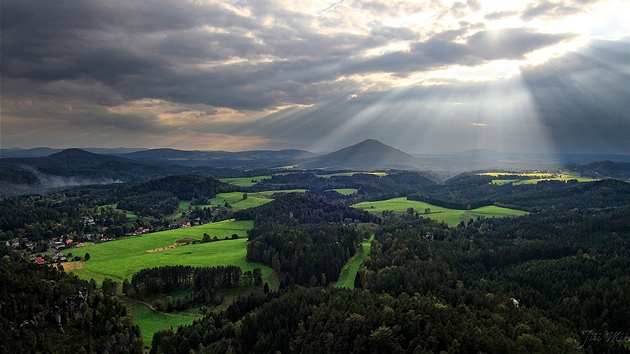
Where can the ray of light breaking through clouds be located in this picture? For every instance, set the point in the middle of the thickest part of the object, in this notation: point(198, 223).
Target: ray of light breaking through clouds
point(419, 75)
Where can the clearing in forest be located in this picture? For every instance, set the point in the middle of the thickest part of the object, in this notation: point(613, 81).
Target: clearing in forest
point(451, 217)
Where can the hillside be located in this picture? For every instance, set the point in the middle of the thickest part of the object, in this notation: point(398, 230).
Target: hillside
point(73, 167)
point(367, 155)
point(220, 159)
point(46, 151)
point(604, 169)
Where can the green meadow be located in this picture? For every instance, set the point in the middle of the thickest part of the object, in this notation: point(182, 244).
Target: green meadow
point(349, 271)
point(348, 174)
point(451, 217)
point(122, 258)
point(534, 177)
point(346, 191)
point(244, 181)
point(235, 199)
point(250, 181)
point(151, 321)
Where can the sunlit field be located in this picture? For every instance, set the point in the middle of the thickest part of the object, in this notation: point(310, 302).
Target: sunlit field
point(236, 200)
point(534, 177)
point(347, 174)
point(451, 217)
point(244, 181)
point(122, 258)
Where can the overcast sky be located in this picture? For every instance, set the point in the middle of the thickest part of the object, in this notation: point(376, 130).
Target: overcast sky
point(422, 76)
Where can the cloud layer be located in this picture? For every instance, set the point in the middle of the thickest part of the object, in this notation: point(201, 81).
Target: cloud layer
point(316, 75)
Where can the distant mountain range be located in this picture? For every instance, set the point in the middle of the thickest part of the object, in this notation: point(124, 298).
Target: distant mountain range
point(78, 167)
point(73, 167)
point(45, 151)
point(220, 159)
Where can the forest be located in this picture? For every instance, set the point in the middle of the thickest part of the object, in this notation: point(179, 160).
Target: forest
point(552, 281)
point(203, 281)
point(45, 310)
point(531, 284)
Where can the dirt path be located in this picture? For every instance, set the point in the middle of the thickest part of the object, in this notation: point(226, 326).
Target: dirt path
point(163, 248)
point(70, 266)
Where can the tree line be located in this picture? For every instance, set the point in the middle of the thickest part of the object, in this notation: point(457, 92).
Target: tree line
point(204, 283)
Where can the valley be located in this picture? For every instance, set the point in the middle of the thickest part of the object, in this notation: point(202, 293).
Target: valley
point(308, 177)
point(192, 253)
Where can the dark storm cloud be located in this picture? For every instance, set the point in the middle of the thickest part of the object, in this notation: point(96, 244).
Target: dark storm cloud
point(47, 40)
point(152, 49)
point(149, 49)
point(194, 46)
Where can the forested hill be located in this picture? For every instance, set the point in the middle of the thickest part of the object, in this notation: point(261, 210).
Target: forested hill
point(367, 155)
point(299, 208)
point(470, 190)
point(73, 167)
point(305, 238)
point(220, 159)
point(394, 181)
point(44, 310)
point(186, 187)
point(606, 169)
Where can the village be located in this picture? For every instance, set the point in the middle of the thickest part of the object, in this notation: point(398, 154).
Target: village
point(63, 248)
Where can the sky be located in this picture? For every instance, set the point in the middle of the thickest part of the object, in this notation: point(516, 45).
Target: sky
point(421, 76)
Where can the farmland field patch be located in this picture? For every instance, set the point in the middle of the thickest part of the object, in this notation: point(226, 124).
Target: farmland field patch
point(451, 217)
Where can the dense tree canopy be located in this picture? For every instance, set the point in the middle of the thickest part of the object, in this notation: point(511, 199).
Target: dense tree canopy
point(45, 310)
point(550, 281)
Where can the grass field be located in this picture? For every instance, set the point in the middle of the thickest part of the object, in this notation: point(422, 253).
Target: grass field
point(122, 258)
point(347, 174)
point(253, 199)
point(244, 181)
point(534, 177)
point(451, 217)
point(520, 174)
point(349, 271)
point(346, 191)
point(151, 321)
point(235, 199)
point(250, 181)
